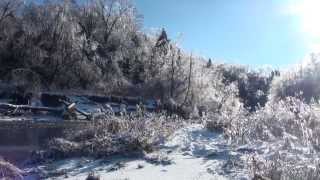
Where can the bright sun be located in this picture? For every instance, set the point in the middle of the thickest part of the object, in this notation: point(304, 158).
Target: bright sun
point(308, 11)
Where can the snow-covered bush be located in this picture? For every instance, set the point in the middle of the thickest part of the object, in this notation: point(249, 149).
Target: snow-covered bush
point(301, 81)
point(284, 167)
point(114, 135)
point(253, 84)
point(289, 119)
point(287, 127)
point(226, 111)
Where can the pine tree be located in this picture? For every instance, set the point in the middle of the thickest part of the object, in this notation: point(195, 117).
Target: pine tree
point(209, 64)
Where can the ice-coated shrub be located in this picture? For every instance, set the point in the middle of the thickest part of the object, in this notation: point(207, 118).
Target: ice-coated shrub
point(301, 81)
point(283, 167)
point(253, 84)
point(114, 135)
point(290, 118)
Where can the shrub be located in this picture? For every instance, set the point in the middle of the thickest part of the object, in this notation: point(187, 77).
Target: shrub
point(284, 167)
point(301, 82)
point(289, 127)
point(114, 135)
point(275, 121)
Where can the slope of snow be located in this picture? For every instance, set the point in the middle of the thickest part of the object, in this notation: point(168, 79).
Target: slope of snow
point(191, 153)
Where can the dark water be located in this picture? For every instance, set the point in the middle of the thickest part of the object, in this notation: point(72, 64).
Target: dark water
point(16, 155)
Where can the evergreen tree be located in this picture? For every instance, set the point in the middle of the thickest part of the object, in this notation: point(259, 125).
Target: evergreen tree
point(209, 64)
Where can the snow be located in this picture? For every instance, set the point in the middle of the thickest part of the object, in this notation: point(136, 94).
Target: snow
point(190, 153)
point(184, 167)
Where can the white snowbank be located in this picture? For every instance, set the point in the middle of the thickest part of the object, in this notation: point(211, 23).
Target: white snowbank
point(191, 153)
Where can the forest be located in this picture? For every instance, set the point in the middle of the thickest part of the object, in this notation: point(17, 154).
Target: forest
point(101, 47)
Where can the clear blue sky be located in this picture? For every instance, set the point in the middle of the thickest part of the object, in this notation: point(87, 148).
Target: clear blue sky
point(252, 32)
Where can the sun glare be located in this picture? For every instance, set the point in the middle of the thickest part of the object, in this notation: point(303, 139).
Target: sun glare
point(308, 12)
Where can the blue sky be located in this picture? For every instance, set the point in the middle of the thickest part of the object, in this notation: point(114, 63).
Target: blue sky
point(252, 32)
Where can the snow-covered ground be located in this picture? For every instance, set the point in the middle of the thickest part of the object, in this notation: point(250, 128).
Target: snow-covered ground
point(190, 153)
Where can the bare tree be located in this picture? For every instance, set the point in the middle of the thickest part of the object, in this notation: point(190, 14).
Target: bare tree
point(8, 8)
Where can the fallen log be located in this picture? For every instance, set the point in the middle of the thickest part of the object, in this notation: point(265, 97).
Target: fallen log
point(8, 107)
point(70, 107)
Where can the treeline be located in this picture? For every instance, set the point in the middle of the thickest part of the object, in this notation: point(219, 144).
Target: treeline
point(99, 46)
point(67, 44)
point(96, 45)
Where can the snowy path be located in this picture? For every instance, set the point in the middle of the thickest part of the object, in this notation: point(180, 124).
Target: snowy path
point(192, 153)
